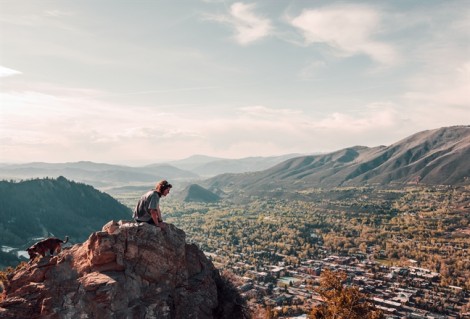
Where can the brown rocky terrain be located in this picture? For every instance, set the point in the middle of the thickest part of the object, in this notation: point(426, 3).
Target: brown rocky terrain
point(124, 271)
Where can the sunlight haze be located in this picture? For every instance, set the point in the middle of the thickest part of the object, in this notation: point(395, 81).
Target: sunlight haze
point(140, 82)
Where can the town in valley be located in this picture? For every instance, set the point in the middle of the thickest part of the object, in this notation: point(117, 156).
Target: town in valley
point(406, 247)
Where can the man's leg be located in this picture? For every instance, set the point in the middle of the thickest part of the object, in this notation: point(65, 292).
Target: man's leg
point(151, 222)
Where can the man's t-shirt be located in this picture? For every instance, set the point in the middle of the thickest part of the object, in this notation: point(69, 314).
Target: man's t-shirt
point(148, 201)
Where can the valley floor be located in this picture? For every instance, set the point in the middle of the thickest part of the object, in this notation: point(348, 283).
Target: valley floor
point(408, 248)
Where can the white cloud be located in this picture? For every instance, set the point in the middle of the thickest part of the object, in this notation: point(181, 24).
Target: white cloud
point(59, 127)
point(376, 116)
point(265, 112)
point(248, 26)
point(348, 29)
point(438, 93)
point(437, 100)
point(244, 105)
point(4, 72)
point(443, 90)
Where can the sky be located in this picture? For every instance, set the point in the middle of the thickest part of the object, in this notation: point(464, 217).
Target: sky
point(140, 82)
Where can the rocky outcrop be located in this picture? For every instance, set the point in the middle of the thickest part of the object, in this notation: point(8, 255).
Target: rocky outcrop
point(127, 270)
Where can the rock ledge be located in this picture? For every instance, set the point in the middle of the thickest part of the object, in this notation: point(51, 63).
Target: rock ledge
point(127, 270)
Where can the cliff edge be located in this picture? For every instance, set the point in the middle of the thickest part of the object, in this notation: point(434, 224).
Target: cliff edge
point(127, 270)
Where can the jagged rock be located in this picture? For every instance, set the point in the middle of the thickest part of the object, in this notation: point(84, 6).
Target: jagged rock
point(127, 270)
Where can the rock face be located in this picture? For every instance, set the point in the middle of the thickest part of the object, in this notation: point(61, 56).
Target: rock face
point(127, 270)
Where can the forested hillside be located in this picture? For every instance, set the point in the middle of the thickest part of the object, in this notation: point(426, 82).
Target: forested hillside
point(53, 207)
point(196, 193)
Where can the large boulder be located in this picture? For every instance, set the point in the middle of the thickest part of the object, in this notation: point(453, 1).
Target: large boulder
point(127, 270)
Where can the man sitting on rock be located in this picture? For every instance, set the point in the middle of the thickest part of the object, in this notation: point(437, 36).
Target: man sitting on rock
point(148, 207)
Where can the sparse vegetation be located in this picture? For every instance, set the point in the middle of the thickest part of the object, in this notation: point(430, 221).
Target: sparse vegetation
point(4, 277)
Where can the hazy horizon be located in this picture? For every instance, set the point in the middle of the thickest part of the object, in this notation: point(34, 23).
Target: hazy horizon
point(136, 83)
point(144, 163)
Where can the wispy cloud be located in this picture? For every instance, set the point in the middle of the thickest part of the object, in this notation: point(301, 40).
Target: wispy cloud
point(60, 123)
point(265, 112)
point(248, 26)
point(443, 80)
point(434, 91)
point(58, 13)
point(201, 88)
point(4, 72)
point(164, 88)
point(348, 29)
point(375, 117)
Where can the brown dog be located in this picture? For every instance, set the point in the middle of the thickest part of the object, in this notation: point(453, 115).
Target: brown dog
point(53, 245)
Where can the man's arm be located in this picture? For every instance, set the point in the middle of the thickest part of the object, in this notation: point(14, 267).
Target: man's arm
point(157, 217)
point(154, 214)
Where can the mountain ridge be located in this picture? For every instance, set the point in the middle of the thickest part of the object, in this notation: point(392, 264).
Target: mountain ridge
point(428, 157)
point(434, 157)
point(241, 165)
point(108, 176)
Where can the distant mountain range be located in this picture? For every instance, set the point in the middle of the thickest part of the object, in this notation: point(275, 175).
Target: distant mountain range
point(108, 176)
point(59, 206)
point(206, 166)
point(97, 174)
point(439, 156)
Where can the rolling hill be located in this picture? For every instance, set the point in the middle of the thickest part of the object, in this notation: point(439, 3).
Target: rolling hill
point(196, 193)
point(97, 174)
point(108, 176)
point(437, 156)
point(53, 207)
